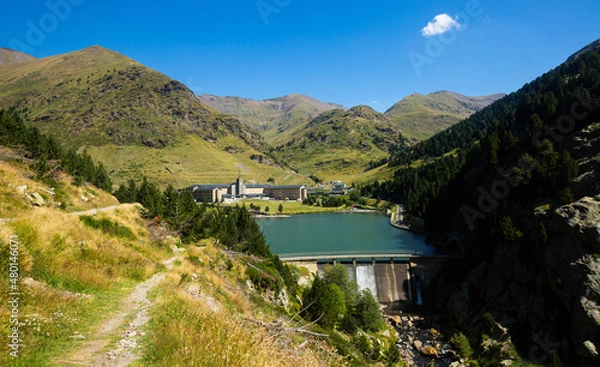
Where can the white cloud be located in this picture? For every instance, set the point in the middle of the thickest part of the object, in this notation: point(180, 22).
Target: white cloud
point(440, 24)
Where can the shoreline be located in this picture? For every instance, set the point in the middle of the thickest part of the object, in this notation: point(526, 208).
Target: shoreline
point(331, 210)
point(399, 212)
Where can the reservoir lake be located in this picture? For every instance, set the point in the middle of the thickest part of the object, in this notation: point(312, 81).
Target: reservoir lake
point(339, 234)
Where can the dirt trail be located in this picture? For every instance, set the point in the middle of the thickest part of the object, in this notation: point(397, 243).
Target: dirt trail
point(92, 352)
point(98, 210)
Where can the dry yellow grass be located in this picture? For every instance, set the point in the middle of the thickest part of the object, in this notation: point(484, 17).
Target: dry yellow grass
point(16, 204)
point(201, 318)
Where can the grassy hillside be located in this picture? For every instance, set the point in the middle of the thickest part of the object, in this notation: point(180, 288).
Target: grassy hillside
point(192, 160)
point(17, 186)
point(71, 275)
point(113, 287)
point(8, 56)
point(338, 144)
point(77, 279)
point(422, 116)
point(134, 120)
point(97, 95)
point(270, 117)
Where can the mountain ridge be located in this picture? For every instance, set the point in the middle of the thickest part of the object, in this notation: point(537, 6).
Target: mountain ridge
point(121, 91)
point(9, 56)
point(421, 116)
point(272, 116)
point(339, 144)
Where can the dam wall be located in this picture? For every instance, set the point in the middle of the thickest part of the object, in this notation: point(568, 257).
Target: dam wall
point(392, 281)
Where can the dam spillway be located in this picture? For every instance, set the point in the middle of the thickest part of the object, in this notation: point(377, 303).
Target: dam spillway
point(365, 277)
point(388, 281)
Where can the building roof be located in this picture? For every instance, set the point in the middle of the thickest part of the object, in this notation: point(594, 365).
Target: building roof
point(285, 187)
point(209, 187)
point(256, 186)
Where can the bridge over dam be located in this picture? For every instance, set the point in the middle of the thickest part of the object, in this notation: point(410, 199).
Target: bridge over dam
point(393, 279)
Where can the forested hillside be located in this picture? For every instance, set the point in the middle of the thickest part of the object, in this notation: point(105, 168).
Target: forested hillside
point(514, 122)
point(48, 153)
point(516, 188)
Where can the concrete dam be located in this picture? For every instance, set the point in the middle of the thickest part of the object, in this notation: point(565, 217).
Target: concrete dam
point(392, 280)
point(389, 282)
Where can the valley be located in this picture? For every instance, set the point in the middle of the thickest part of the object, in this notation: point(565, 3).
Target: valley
point(133, 247)
point(138, 123)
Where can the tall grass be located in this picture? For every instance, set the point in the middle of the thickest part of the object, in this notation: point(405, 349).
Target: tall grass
point(184, 331)
point(79, 275)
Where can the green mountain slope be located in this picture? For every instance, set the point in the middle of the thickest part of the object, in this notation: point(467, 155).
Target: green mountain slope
point(422, 116)
point(338, 144)
point(8, 56)
point(99, 99)
point(270, 117)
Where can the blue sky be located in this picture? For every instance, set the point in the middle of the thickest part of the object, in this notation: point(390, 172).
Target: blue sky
point(349, 52)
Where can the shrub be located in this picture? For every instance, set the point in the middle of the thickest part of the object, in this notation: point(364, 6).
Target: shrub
point(461, 343)
point(107, 226)
point(264, 277)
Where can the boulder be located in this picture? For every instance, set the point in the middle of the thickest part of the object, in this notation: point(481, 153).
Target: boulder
point(36, 199)
point(580, 219)
point(430, 352)
point(21, 189)
point(587, 350)
point(283, 299)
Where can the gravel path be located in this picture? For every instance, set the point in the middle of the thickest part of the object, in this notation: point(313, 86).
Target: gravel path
point(125, 351)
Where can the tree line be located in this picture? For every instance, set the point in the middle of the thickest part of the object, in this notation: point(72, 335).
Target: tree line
point(49, 154)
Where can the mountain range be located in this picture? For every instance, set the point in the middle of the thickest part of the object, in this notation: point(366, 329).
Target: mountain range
point(338, 141)
point(270, 117)
point(139, 122)
point(136, 121)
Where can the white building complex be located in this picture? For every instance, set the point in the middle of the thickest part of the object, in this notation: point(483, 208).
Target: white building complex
point(239, 190)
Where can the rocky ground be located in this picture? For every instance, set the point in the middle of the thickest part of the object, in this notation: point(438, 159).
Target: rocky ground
point(421, 341)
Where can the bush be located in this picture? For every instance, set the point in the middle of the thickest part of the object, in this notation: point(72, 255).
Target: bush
point(368, 313)
point(509, 230)
point(107, 226)
point(461, 343)
point(264, 278)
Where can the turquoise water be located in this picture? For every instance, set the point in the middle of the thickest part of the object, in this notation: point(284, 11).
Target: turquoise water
point(339, 234)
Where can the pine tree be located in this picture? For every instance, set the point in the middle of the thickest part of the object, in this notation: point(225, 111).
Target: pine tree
point(325, 303)
point(150, 197)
